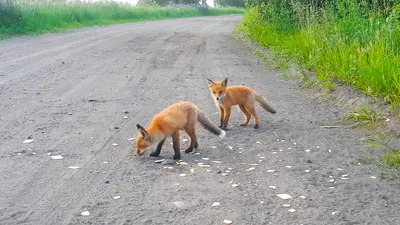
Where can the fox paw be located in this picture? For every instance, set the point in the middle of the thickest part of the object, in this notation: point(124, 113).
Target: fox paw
point(256, 126)
point(154, 154)
point(177, 157)
point(243, 124)
point(189, 150)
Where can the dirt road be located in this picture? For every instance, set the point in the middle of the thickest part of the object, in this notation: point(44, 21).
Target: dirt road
point(79, 92)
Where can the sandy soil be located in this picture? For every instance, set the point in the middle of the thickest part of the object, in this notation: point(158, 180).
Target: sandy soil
point(71, 91)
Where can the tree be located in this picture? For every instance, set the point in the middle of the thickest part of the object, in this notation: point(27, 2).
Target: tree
point(233, 3)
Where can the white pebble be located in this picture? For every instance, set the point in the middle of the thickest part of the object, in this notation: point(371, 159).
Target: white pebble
point(85, 213)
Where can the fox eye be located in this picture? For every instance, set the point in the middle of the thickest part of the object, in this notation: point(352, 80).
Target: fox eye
point(220, 92)
point(213, 92)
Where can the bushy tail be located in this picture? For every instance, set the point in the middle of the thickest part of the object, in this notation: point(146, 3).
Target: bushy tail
point(264, 102)
point(209, 125)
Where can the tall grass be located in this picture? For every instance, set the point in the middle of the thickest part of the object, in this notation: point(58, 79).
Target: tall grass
point(17, 19)
point(341, 41)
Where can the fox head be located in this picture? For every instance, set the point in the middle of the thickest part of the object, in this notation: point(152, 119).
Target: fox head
point(142, 140)
point(218, 89)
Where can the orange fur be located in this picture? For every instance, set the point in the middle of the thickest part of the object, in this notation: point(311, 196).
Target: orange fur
point(168, 123)
point(244, 97)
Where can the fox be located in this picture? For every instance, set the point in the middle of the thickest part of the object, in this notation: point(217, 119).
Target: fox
point(225, 97)
point(168, 123)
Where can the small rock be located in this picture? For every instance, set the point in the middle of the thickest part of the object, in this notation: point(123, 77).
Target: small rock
point(289, 167)
point(184, 140)
point(169, 162)
point(116, 127)
point(131, 139)
point(272, 187)
point(57, 157)
point(115, 144)
point(192, 170)
point(107, 182)
point(227, 222)
point(27, 141)
point(117, 197)
point(333, 213)
point(213, 147)
point(183, 163)
point(307, 171)
point(182, 175)
point(257, 142)
point(105, 162)
point(204, 166)
point(286, 205)
point(270, 171)
point(85, 213)
point(331, 180)
point(235, 185)
point(230, 147)
point(74, 167)
point(302, 196)
point(262, 157)
point(216, 162)
point(340, 169)
point(292, 210)
point(125, 117)
point(307, 150)
point(159, 161)
point(216, 204)
point(250, 169)
point(205, 159)
point(284, 196)
point(224, 174)
point(373, 177)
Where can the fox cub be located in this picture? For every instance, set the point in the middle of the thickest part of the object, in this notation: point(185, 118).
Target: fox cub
point(225, 97)
point(179, 116)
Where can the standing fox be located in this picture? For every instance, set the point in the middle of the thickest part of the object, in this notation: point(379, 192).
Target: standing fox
point(245, 97)
point(179, 116)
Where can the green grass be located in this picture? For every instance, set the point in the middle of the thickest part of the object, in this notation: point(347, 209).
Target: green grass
point(342, 43)
point(392, 158)
point(22, 19)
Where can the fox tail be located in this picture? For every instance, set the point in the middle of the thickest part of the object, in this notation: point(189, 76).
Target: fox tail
point(209, 125)
point(264, 102)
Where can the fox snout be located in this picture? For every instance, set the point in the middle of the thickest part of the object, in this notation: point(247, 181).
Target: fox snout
point(219, 98)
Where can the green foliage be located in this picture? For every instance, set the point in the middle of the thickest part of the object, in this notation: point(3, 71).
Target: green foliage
point(347, 41)
point(42, 18)
point(392, 158)
point(232, 3)
point(167, 2)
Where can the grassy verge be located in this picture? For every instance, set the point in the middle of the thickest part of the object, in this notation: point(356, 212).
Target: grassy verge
point(21, 19)
point(343, 42)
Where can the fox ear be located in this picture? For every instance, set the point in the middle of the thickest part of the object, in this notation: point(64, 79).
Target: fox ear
point(143, 131)
point(210, 82)
point(224, 83)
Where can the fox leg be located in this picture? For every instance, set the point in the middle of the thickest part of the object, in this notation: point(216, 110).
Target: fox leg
point(158, 149)
point(227, 114)
point(221, 116)
point(175, 144)
point(193, 139)
point(252, 111)
point(246, 113)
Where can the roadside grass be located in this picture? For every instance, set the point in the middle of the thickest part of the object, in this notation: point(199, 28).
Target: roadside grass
point(364, 117)
point(22, 19)
point(389, 163)
point(342, 43)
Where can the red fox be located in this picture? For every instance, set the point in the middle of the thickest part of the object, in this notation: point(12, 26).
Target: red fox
point(179, 116)
point(245, 97)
